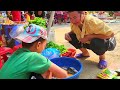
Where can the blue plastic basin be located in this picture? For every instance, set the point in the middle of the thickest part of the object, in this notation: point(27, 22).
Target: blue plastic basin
point(69, 62)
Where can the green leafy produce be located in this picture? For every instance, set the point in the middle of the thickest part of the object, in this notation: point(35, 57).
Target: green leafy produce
point(61, 48)
point(39, 21)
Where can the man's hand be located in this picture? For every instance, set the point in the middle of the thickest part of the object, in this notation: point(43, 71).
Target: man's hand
point(86, 38)
point(67, 37)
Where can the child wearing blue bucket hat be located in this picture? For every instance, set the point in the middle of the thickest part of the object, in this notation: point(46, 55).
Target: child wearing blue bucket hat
point(27, 60)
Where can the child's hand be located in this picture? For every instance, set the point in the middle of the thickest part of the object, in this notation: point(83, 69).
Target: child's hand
point(47, 75)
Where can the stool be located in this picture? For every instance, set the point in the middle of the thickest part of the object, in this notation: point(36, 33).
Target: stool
point(1, 62)
point(4, 51)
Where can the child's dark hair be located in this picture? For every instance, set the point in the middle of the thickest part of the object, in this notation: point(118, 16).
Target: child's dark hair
point(28, 45)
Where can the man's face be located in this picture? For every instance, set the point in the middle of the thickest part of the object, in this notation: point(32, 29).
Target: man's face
point(39, 12)
point(75, 17)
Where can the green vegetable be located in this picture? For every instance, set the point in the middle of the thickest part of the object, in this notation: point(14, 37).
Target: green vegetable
point(61, 48)
point(39, 21)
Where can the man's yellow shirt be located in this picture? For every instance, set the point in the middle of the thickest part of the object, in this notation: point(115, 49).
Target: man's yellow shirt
point(91, 25)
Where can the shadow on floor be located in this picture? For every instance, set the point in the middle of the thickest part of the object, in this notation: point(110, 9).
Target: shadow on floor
point(90, 69)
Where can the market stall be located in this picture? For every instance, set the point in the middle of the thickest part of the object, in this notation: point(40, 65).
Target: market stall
point(6, 42)
point(6, 26)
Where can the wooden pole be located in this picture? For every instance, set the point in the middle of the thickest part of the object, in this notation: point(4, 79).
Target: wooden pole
point(50, 21)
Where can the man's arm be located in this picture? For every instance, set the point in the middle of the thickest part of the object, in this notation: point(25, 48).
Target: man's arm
point(90, 37)
point(100, 36)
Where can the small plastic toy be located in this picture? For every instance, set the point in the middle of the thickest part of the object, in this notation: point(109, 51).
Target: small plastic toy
point(107, 74)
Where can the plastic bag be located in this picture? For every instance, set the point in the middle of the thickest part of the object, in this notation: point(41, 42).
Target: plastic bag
point(51, 53)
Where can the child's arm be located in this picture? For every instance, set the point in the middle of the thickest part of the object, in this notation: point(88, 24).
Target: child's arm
point(55, 71)
point(47, 75)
